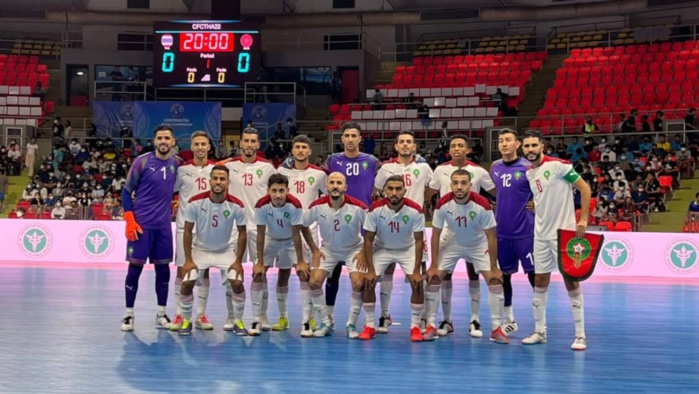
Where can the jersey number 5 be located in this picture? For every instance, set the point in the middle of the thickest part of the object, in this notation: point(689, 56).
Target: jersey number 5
point(214, 221)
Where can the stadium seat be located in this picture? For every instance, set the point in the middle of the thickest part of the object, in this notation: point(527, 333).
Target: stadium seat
point(608, 225)
point(623, 226)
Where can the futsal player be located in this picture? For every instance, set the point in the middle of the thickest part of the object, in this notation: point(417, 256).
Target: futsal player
point(151, 181)
point(192, 179)
point(359, 170)
point(417, 174)
point(214, 215)
point(469, 223)
point(441, 183)
point(307, 183)
point(550, 180)
point(249, 174)
point(394, 233)
point(340, 219)
point(279, 221)
point(515, 228)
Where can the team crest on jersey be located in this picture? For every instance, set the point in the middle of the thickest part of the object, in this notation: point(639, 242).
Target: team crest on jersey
point(547, 174)
point(348, 218)
point(172, 168)
point(405, 219)
point(311, 180)
point(259, 173)
point(518, 175)
point(416, 172)
point(472, 215)
point(286, 215)
point(226, 214)
point(471, 175)
point(365, 165)
point(130, 251)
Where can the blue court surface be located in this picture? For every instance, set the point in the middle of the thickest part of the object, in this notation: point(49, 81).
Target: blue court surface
point(60, 334)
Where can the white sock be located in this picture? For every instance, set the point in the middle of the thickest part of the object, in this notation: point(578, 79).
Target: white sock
point(256, 295)
point(318, 300)
point(432, 304)
point(161, 310)
point(386, 290)
point(474, 290)
point(229, 300)
point(129, 312)
point(238, 301)
point(446, 289)
point(416, 314)
point(203, 296)
point(282, 294)
point(331, 311)
point(423, 315)
point(265, 298)
point(496, 301)
point(355, 308)
point(539, 305)
point(186, 303)
point(306, 304)
point(576, 305)
point(178, 288)
point(370, 314)
point(509, 314)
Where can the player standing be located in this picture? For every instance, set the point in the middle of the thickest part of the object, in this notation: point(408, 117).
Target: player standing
point(279, 223)
point(151, 180)
point(470, 222)
point(395, 228)
point(249, 174)
point(417, 174)
point(359, 170)
point(515, 228)
point(550, 180)
point(441, 183)
point(214, 215)
point(307, 183)
point(340, 219)
point(193, 177)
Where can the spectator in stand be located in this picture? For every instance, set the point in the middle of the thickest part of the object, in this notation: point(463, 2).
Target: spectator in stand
point(32, 152)
point(57, 156)
point(125, 135)
point(148, 147)
point(622, 122)
point(411, 102)
point(692, 210)
point(90, 165)
point(663, 144)
point(445, 130)
point(612, 214)
point(58, 211)
point(629, 126)
point(14, 159)
point(59, 192)
point(74, 147)
point(39, 90)
point(676, 143)
point(573, 147)
point(424, 114)
point(690, 122)
point(646, 146)
point(645, 124)
point(98, 193)
point(475, 153)
point(684, 161)
point(594, 155)
point(606, 193)
point(589, 126)
point(609, 153)
point(58, 128)
point(82, 156)
point(659, 121)
point(320, 160)
point(138, 149)
point(500, 99)
point(377, 99)
point(369, 144)
point(655, 195)
point(117, 211)
point(293, 129)
point(600, 210)
point(4, 187)
point(67, 129)
point(561, 148)
point(336, 88)
point(622, 193)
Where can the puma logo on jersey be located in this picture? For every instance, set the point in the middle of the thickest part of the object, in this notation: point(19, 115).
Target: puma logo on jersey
point(496, 174)
point(323, 216)
point(152, 168)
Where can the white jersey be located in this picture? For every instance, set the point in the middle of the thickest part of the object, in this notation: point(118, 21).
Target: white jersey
point(551, 183)
point(480, 178)
point(341, 229)
point(306, 185)
point(395, 230)
point(417, 177)
point(278, 221)
point(466, 223)
point(249, 182)
point(215, 222)
point(191, 180)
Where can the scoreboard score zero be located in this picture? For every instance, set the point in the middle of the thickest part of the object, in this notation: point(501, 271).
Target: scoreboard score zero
point(205, 54)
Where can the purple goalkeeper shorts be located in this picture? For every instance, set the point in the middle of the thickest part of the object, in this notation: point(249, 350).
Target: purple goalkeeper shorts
point(513, 251)
point(154, 245)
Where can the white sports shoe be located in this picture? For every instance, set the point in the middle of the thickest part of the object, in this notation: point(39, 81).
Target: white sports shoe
point(255, 329)
point(162, 322)
point(230, 324)
point(306, 331)
point(510, 328)
point(323, 331)
point(352, 332)
point(264, 322)
point(475, 329)
point(127, 323)
point(580, 343)
point(534, 338)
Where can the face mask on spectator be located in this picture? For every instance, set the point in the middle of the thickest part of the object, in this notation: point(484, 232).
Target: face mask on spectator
point(20, 214)
point(683, 149)
point(99, 187)
point(640, 189)
point(58, 204)
point(612, 206)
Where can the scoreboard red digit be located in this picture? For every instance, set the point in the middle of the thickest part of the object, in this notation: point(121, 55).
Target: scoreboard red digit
point(205, 54)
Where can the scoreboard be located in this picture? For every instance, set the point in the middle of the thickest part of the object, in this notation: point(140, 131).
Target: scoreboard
point(205, 54)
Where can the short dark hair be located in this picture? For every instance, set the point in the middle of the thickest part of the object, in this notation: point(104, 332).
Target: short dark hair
point(531, 133)
point(458, 137)
point(351, 125)
point(395, 178)
point(301, 139)
point(200, 133)
point(164, 127)
point(460, 172)
point(696, 195)
point(278, 179)
point(508, 130)
point(220, 168)
point(405, 132)
point(251, 130)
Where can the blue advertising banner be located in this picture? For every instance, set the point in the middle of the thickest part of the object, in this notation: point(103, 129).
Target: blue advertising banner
point(111, 116)
point(266, 118)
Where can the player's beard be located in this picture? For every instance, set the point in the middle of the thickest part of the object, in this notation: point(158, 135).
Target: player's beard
point(397, 203)
point(167, 149)
point(536, 158)
point(334, 197)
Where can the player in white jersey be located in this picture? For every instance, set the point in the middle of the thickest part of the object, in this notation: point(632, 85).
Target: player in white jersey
point(248, 180)
point(417, 174)
point(441, 181)
point(192, 179)
point(550, 180)
point(470, 223)
point(340, 219)
point(214, 215)
point(395, 231)
point(279, 223)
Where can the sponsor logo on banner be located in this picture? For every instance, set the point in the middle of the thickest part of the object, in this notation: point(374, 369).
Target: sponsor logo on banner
point(617, 255)
point(681, 256)
point(96, 241)
point(35, 240)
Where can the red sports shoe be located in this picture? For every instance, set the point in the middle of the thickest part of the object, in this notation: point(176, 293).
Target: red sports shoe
point(498, 336)
point(368, 333)
point(416, 335)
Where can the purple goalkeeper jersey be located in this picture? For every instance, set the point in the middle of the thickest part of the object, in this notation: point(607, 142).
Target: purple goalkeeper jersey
point(513, 193)
point(360, 172)
point(152, 180)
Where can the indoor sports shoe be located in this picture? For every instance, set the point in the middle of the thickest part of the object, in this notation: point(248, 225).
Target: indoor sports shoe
point(185, 329)
point(384, 323)
point(264, 324)
point(580, 343)
point(445, 328)
point(255, 329)
point(203, 323)
point(306, 331)
point(509, 328)
point(535, 338)
point(162, 322)
point(239, 329)
point(430, 333)
point(281, 324)
point(352, 331)
point(323, 331)
point(332, 323)
point(475, 329)
point(498, 336)
point(423, 326)
point(416, 335)
point(127, 323)
point(368, 334)
point(312, 324)
point(177, 323)
point(229, 325)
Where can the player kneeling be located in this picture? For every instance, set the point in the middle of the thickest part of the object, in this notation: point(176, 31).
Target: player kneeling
point(394, 234)
point(214, 214)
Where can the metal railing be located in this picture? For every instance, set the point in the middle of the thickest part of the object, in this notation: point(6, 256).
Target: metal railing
point(121, 91)
point(263, 91)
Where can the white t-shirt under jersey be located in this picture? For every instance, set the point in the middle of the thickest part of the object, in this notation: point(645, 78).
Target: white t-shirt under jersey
point(551, 183)
point(417, 177)
point(341, 229)
point(191, 180)
point(480, 178)
point(214, 222)
point(395, 230)
point(248, 181)
point(278, 220)
point(466, 223)
point(306, 185)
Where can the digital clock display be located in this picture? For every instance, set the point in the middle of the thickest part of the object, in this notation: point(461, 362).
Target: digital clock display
point(205, 54)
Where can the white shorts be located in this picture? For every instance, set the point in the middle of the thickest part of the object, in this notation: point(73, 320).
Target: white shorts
point(545, 256)
point(279, 253)
point(450, 254)
point(179, 248)
point(334, 258)
point(307, 254)
point(205, 260)
point(385, 257)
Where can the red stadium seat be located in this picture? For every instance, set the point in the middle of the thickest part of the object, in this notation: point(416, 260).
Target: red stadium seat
point(623, 226)
point(608, 225)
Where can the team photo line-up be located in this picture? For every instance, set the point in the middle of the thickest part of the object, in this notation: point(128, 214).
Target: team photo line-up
point(369, 217)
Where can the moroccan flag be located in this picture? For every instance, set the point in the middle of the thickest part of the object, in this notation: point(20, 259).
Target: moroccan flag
point(577, 257)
